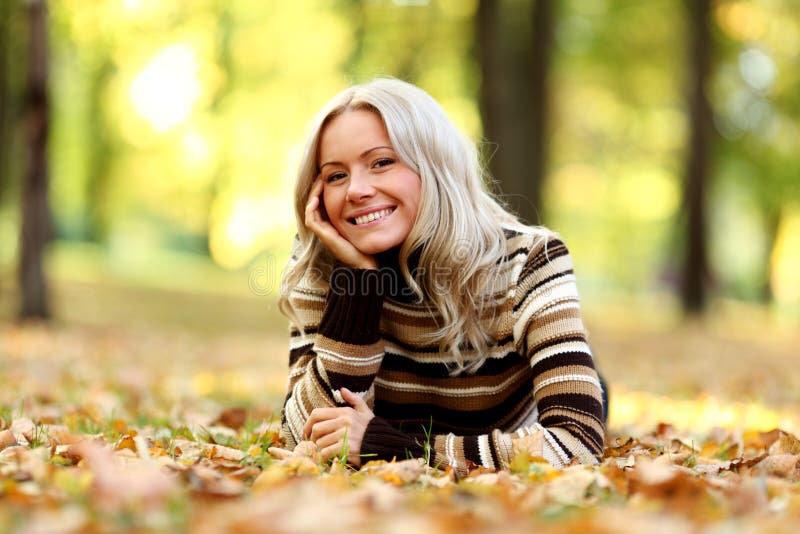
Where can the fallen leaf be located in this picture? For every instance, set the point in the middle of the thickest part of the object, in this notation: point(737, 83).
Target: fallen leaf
point(234, 418)
point(397, 473)
point(785, 444)
point(779, 465)
point(7, 439)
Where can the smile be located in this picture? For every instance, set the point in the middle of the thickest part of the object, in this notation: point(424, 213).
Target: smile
point(370, 217)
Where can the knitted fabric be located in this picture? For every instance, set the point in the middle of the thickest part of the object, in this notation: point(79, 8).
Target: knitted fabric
point(537, 390)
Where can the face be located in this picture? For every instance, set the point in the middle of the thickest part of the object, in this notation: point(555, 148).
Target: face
point(370, 196)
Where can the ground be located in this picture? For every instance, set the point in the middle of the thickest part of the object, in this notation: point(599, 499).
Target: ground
point(151, 410)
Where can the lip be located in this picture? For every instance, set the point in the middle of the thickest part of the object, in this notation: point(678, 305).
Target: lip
point(371, 223)
point(369, 210)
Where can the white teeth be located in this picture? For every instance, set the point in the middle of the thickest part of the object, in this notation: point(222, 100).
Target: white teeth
point(372, 216)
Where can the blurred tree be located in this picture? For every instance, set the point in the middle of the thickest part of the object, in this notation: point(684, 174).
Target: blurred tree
point(695, 269)
point(35, 226)
point(541, 52)
point(514, 47)
point(5, 97)
point(100, 149)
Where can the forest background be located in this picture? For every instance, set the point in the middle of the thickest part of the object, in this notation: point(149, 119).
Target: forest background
point(147, 161)
point(148, 151)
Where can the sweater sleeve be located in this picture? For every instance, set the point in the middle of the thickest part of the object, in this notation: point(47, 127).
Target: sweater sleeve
point(344, 350)
point(548, 330)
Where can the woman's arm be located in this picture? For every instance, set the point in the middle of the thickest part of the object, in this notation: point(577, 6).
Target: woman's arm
point(344, 351)
point(549, 332)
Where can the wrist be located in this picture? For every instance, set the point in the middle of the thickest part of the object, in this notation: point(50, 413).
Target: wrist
point(367, 265)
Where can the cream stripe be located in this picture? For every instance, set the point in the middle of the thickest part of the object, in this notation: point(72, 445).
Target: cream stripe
point(563, 457)
point(561, 306)
point(483, 450)
point(452, 392)
point(500, 351)
point(300, 341)
point(561, 348)
point(450, 450)
point(562, 289)
point(355, 361)
point(566, 378)
point(555, 330)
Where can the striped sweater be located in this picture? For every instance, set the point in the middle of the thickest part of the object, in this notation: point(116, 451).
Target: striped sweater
point(537, 390)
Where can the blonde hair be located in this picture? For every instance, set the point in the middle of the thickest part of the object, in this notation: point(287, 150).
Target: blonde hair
point(459, 226)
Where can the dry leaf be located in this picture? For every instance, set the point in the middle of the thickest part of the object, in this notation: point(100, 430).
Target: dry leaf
point(208, 482)
point(779, 465)
point(234, 418)
point(397, 473)
point(7, 439)
point(785, 444)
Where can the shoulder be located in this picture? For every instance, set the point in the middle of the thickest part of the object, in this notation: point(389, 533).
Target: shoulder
point(541, 260)
point(532, 246)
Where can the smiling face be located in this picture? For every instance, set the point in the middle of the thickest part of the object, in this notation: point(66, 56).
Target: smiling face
point(370, 196)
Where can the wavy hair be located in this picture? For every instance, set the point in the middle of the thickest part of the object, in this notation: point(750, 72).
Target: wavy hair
point(458, 229)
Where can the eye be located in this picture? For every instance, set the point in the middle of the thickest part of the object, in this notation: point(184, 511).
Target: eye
point(383, 162)
point(333, 177)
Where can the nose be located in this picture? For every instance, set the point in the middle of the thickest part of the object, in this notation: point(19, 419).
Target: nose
point(360, 187)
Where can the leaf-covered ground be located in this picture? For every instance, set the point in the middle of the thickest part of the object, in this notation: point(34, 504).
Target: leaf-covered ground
point(105, 429)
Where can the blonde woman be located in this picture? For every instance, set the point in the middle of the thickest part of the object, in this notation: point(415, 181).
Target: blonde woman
point(426, 320)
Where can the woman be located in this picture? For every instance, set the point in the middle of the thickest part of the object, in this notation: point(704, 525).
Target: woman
point(426, 320)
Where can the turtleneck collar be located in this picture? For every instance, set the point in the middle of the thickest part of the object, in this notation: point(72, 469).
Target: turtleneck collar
point(389, 262)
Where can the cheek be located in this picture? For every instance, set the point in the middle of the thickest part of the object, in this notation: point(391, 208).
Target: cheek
point(415, 195)
point(333, 205)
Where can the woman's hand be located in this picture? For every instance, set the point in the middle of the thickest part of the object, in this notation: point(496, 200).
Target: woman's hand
point(341, 248)
point(334, 430)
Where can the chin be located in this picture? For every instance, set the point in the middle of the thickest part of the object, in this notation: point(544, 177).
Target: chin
point(377, 246)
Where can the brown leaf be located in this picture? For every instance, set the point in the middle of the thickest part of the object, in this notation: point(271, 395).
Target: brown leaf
point(397, 473)
point(779, 465)
point(208, 482)
point(220, 452)
point(785, 444)
point(7, 439)
point(677, 489)
point(62, 435)
point(234, 418)
point(620, 449)
point(573, 485)
point(125, 442)
point(24, 429)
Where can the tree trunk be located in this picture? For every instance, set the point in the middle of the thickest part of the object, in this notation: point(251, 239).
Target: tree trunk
point(514, 49)
point(35, 213)
point(491, 94)
point(5, 97)
point(693, 290)
point(542, 45)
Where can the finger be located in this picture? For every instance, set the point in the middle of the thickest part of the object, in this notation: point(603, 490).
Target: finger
point(319, 415)
point(311, 211)
point(331, 439)
point(354, 400)
point(306, 448)
point(325, 428)
point(280, 454)
point(312, 204)
point(331, 451)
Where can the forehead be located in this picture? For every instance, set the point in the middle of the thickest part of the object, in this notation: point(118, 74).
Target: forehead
point(352, 131)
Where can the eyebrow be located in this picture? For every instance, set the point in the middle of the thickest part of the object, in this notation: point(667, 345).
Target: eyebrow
point(361, 156)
